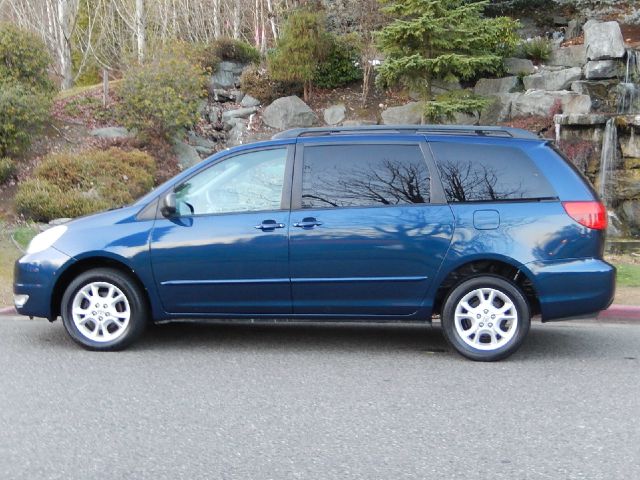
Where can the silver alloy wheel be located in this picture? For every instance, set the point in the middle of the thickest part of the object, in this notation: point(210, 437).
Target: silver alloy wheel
point(101, 311)
point(486, 319)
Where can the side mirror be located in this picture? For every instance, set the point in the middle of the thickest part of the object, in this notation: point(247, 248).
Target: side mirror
point(168, 206)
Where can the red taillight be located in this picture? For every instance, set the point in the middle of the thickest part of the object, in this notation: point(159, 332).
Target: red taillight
point(590, 214)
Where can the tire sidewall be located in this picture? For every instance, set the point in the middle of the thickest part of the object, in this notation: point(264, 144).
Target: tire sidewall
point(137, 321)
point(486, 281)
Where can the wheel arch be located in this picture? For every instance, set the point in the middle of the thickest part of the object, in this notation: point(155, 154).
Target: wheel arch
point(504, 267)
point(84, 265)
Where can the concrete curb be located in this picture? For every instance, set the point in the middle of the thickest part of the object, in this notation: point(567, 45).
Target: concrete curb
point(627, 312)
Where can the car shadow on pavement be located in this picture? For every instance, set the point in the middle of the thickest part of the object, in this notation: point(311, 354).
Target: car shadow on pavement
point(567, 340)
point(548, 341)
point(295, 337)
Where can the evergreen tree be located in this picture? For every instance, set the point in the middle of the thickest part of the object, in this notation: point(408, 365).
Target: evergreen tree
point(442, 40)
point(303, 44)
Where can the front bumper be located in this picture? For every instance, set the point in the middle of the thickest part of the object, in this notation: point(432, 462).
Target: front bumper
point(573, 288)
point(36, 276)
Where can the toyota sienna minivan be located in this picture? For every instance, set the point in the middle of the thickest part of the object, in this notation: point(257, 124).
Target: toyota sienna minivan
point(484, 227)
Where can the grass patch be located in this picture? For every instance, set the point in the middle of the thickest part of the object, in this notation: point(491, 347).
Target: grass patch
point(628, 275)
point(23, 235)
point(8, 255)
point(72, 92)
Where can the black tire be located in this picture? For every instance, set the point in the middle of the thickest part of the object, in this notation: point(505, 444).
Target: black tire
point(139, 311)
point(512, 339)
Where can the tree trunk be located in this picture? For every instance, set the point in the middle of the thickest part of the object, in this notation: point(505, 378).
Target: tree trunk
point(236, 19)
point(272, 21)
point(66, 10)
point(141, 30)
point(216, 18)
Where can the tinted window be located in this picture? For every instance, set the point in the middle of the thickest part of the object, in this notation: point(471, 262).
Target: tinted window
point(247, 182)
point(472, 172)
point(363, 175)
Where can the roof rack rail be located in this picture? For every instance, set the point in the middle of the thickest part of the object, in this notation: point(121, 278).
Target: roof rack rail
point(471, 130)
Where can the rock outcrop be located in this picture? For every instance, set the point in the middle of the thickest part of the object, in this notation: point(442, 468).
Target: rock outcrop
point(288, 112)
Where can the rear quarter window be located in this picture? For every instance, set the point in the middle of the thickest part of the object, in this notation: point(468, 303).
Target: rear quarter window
point(484, 173)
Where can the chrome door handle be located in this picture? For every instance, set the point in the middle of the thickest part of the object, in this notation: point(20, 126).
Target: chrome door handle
point(269, 225)
point(309, 222)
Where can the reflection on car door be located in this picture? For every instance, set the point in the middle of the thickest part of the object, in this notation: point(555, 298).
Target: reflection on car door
point(365, 236)
point(226, 252)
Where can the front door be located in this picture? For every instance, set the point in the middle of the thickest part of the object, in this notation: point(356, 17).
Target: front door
point(226, 250)
point(365, 236)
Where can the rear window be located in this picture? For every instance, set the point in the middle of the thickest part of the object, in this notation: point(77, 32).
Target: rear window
point(364, 175)
point(482, 173)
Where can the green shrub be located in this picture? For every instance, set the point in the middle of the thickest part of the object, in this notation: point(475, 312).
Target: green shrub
point(25, 88)
point(43, 201)
point(257, 82)
point(24, 59)
point(303, 44)
point(161, 98)
point(198, 53)
point(342, 64)
point(7, 168)
point(228, 49)
point(68, 185)
point(536, 49)
point(23, 112)
point(446, 105)
point(209, 55)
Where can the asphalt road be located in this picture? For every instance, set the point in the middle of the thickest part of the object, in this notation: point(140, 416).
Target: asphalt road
point(316, 402)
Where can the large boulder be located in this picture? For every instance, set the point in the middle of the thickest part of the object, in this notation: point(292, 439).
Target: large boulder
point(227, 75)
point(249, 101)
point(631, 212)
point(603, 40)
point(519, 66)
point(238, 113)
point(630, 144)
point(187, 155)
point(552, 79)
point(288, 112)
point(599, 69)
point(573, 29)
point(237, 133)
point(409, 114)
point(198, 141)
point(539, 102)
point(490, 86)
point(334, 114)
point(574, 56)
point(499, 108)
point(628, 184)
point(602, 92)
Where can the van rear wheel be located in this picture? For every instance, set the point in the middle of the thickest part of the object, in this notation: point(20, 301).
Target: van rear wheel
point(103, 309)
point(486, 318)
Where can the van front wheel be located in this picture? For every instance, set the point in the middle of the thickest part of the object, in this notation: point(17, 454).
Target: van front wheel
point(103, 309)
point(486, 318)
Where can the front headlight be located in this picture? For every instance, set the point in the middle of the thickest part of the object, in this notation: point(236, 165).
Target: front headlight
point(46, 239)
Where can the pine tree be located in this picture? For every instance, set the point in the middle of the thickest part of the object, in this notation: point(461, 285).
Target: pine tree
point(303, 44)
point(442, 40)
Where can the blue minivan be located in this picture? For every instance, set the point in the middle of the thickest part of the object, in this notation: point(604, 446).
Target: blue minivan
point(484, 227)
